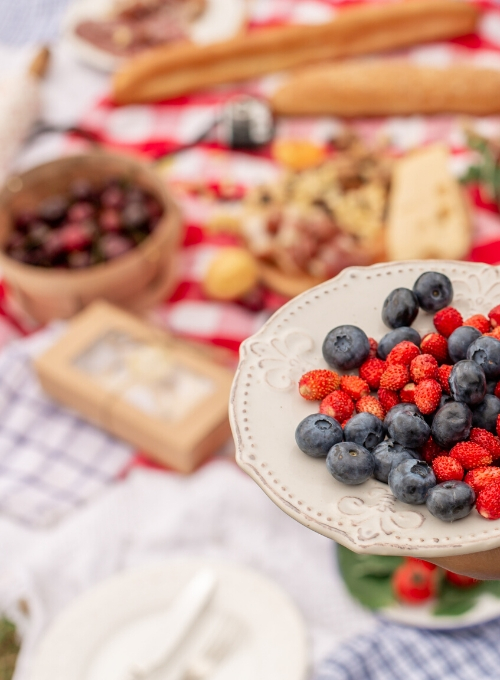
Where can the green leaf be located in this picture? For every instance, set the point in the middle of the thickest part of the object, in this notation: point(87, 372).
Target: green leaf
point(454, 601)
point(368, 577)
point(492, 587)
point(9, 649)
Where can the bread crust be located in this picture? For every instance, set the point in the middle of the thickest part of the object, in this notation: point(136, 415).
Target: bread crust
point(385, 88)
point(166, 72)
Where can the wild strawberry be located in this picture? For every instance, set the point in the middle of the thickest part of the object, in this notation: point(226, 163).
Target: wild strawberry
point(447, 320)
point(403, 353)
point(371, 371)
point(428, 395)
point(414, 583)
point(487, 440)
point(498, 425)
point(488, 500)
point(497, 388)
point(388, 398)
point(446, 469)
point(407, 393)
point(394, 377)
point(370, 405)
point(422, 367)
point(315, 385)
point(444, 372)
point(76, 236)
point(338, 405)
point(354, 386)
point(431, 451)
point(459, 580)
point(481, 477)
point(478, 321)
point(495, 333)
point(373, 348)
point(471, 455)
point(494, 316)
point(436, 345)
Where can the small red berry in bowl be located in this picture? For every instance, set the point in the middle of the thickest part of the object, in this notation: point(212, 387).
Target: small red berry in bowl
point(488, 501)
point(354, 386)
point(431, 451)
point(316, 385)
point(478, 321)
point(447, 320)
point(428, 395)
point(481, 477)
point(407, 393)
point(494, 316)
point(436, 345)
point(487, 440)
point(338, 405)
point(371, 405)
point(422, 367)
point(447, 468)
point(371, 371)
point(471, 455)
point(403, 353)
point(444, 372)
point(395, 377)
point(373, 348)
point(388, 398)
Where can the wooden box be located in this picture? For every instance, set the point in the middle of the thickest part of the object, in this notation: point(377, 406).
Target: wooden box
point(140, 384)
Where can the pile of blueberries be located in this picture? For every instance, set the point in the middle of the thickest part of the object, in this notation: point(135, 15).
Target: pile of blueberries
point(388, 450)
point(87, 226)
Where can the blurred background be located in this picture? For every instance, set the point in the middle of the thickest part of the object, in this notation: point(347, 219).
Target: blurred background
point(173, 172)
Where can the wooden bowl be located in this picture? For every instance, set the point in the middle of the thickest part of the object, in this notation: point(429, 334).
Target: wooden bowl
point(138, 279)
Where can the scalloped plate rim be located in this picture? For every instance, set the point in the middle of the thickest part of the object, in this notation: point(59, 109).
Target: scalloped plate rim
point(477, 544)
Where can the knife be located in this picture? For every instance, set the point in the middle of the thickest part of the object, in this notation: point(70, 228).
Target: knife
point(172, 628)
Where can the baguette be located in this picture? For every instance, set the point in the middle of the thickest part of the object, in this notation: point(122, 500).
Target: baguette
point(166, 72)
point(385, 88)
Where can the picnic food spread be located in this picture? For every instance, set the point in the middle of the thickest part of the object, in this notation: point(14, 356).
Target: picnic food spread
point(141, 24)
point(437, 401)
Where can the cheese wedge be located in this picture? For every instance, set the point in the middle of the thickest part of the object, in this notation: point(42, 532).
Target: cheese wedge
point(428, 216)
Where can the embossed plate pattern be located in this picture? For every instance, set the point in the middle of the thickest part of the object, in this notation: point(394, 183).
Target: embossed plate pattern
point(265, 409)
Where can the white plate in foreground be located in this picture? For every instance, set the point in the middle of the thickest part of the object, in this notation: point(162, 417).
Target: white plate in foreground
point(84, 642)
point(266, 408)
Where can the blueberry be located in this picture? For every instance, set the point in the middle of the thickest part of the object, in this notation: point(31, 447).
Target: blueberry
point(450, 500)
point(399, 408)
point(467, 382)
point(452, 424)
point(433, 291)
point(400, 308)
point(316, 434)
point(387, 455)
point(485, 351)
point(346, 347)
point(411, 480)
point(350, 463)
point(485, 415)
point(409, 429)
point(491, 386)
point(393, 338)
point(365, 429)
point(459, 341)
point(53, 209)
point(445, 399)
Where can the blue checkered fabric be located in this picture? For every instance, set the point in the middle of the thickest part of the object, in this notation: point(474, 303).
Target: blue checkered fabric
point(50, 459)
point(28, 22)
point(394, 652)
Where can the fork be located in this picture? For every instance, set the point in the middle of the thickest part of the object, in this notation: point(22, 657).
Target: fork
point(221, 642)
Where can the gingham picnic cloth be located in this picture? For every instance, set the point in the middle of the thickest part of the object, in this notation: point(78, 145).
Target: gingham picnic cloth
point(395, 652)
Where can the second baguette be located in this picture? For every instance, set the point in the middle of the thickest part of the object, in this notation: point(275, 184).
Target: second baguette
point(166, 72)
point(385, 88)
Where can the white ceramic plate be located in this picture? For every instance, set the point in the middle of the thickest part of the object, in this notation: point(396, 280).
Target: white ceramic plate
point(84, 642)
point(486, 609)
point(265, 409)
point(221, 20)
